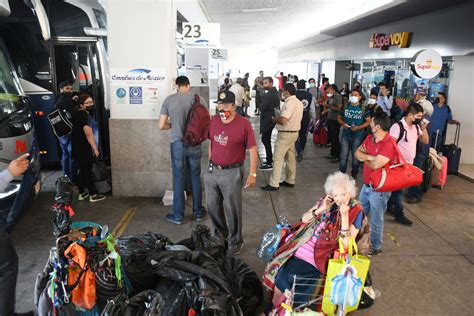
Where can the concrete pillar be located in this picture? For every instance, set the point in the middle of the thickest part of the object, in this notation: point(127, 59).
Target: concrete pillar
point(141, 35)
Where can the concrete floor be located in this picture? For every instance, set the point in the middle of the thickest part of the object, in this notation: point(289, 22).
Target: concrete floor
point(426, 269)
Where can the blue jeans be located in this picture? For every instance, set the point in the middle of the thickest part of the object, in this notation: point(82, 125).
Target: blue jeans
point(350, 143)
point(395, 203)
point(375, 205)
point(68, 164)
point(180, 156)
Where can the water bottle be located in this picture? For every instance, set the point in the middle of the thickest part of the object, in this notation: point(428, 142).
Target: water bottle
point(267, 246)
point(283, 220)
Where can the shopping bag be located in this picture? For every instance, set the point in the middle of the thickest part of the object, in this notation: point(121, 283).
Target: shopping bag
point(338, 267)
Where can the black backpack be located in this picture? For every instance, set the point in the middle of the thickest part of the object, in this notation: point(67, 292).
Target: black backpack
point(61, 122)
point(403, 132)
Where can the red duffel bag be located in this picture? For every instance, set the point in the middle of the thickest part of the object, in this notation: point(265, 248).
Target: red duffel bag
point(397, 176)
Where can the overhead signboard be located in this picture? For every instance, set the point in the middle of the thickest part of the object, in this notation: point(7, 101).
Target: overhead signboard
point(201, 34)
point(426, 64)
point(218, 53)
point(383, 41)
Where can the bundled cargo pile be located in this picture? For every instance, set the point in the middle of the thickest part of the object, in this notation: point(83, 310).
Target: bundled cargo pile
point(91, 273)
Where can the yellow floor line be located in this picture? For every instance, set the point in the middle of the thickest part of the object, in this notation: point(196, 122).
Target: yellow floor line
point(123, 223)
point(469, 235)
point(392, 237)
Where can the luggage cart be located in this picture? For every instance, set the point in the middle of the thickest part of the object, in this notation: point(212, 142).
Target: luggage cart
point(313, 299)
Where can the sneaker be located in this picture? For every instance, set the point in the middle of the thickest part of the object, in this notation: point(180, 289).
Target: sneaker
point(30, 313)
point(329, 156)
point(403, 220)
point(83, 196)
point(172, 219)
point(412, 200)
point(199, 217)
point(374, 252)
point(96, 198)
point(286, 184)
point(265, 167)
point(269, 188)
point(390, 213)
point(234, 250)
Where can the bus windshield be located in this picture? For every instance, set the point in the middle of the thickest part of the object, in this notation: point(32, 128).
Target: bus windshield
point(9, 83)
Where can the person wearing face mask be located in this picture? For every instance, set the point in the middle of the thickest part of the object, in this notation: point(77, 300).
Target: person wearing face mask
point(372, 106)
point(407, 132)
point(230, 135)
point(185, 160)
point(385, 100)
point(332, 107)
point(345, 91)
point(270, 102)
point(67, 101)
point(288, 125)
point(353, 119)
point(441, 117)
point(314, 90)
point(84, 148)
point(376, 151)
point(307, 99)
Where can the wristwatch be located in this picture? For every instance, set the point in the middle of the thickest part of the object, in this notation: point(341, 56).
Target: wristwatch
point(253, 175)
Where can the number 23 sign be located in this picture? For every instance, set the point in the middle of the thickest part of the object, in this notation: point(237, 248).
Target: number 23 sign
point(201, 34)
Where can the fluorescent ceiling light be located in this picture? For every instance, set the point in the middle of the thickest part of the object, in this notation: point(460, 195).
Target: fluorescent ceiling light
point(311, 26)
point(259, 10)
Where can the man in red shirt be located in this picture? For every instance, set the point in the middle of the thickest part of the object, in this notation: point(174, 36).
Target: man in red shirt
point(376, 151)
point(231, 135)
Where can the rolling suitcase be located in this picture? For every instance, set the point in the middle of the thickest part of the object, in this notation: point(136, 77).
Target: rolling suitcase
point(320, 133)
point(453, 153)
point(440, 175)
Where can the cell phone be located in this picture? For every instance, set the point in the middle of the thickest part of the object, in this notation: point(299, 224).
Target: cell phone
point(425, 121)
point(330, 198)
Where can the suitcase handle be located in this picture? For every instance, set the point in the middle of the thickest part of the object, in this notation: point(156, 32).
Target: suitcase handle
point(457, 134)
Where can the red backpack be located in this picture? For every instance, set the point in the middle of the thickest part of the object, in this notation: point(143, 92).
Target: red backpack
point(197, 124)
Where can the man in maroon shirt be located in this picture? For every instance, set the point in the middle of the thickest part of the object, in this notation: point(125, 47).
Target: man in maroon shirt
point(231, 135)
point(376, 151)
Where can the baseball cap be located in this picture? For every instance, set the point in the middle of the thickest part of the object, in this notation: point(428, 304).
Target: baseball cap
point(225, 97)
point(65, 84)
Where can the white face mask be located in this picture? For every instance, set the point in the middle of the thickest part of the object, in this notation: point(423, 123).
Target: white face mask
point(371, 101)
point(329, 95)
point(354, 99)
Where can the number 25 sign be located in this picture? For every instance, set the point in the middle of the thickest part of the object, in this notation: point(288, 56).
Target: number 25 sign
point(201, 34)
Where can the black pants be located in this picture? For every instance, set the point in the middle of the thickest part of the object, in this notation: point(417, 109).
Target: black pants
point(85, 177)
point(303, 134)
point(333, 130)
point(267, 142)
point(8, 274)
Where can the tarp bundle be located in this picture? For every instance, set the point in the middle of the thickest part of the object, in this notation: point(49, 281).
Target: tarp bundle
point(193, 276)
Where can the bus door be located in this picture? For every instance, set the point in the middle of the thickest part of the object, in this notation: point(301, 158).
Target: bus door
point(77, 59)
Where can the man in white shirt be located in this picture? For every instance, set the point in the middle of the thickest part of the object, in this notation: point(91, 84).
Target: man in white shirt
point(239, 92)
point(385, 100)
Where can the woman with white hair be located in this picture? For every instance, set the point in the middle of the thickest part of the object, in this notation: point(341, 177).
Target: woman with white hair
point(307, 251)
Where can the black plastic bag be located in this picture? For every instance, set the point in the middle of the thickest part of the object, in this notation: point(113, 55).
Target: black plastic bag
point(134, 250)
point(202, 240)
point(245, 284)
point(61, 219)
point(64, 190)
point(146, 303)
point(100, 171)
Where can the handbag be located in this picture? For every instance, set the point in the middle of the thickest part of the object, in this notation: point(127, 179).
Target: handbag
point(61, 122)
point(395, 177)
point(345, 276)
